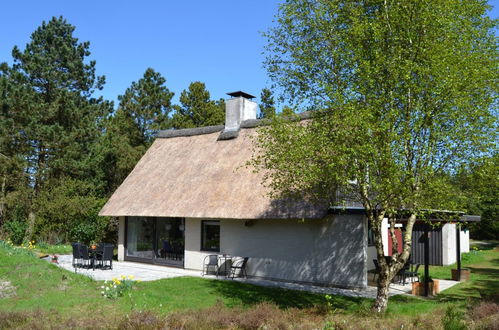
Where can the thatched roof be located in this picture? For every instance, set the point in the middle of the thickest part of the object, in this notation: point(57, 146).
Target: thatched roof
point(201, 176)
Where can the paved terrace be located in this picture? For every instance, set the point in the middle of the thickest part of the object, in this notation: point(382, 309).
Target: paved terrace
point(146, 272)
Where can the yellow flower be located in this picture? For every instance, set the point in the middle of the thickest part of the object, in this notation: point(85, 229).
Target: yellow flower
point(130, 277)
point(123, 277)
point(118, 282)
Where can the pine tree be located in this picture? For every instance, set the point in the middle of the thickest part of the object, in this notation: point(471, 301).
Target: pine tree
point(58, 113)
point(56, 121)
point(196, 109)
point(148, 103)
point(267, 104)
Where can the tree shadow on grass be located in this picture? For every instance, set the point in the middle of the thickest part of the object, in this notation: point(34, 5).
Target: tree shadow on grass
point(486, 286)
point(249, 294)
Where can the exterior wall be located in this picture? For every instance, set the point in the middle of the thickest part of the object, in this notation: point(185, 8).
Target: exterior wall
point(465, 241)
point(326, 252)
point(449, 245)
point(449, 240)
point(371, 250)
point(121, 238)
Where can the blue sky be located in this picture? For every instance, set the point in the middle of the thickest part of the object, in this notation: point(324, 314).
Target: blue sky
point(217, 42)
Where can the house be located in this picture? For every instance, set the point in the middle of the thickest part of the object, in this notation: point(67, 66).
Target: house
point(192, 195)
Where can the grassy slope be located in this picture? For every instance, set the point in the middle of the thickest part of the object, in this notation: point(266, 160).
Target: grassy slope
point(43, 286)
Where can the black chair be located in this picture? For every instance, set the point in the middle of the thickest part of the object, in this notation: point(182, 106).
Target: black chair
point(212, 262)
point(87, 261)
point(411, 274)
point(106, 256)
point(239, 264)
point(402, 273)
point(77, 262)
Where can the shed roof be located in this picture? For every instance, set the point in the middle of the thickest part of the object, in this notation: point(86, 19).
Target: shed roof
point(196, 174)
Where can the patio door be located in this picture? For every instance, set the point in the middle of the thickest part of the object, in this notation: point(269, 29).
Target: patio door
point(155, 240)
point(139, 238)
point(169, 241)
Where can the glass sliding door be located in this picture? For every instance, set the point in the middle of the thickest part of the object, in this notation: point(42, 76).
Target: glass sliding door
point(155, 240)
point(140, 234)
point(169, 245)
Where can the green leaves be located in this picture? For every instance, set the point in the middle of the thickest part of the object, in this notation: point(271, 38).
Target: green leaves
point(267, 104)
point(196, 109)
point(399, 95)
point(148, 103)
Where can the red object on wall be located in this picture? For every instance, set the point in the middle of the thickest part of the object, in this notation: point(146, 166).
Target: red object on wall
point(398, 235)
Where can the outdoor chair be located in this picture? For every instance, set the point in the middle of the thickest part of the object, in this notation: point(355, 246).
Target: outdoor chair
point(402, 273)
point(408, 273)
point(240, 266)
point(210, 261)
point(76, 255)
point(85, 257)
point(106, 256)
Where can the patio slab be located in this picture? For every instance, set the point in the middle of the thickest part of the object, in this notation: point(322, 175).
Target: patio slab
point(146, 272)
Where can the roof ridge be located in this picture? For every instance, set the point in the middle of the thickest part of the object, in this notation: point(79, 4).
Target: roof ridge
point(189, 131)
point(227, 135)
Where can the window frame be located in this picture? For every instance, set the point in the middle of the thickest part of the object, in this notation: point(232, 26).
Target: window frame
point(206, 223)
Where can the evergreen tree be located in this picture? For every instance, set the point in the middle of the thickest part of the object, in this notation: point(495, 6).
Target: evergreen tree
point(143, 109)
point(59, 116)
point(148, 103)
point(267, 104)
point(55, 120)
point(196, 109)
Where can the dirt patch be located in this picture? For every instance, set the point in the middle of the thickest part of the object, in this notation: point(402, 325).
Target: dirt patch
point(7, 290)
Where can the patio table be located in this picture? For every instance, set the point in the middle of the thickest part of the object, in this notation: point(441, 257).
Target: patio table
point(93, 253)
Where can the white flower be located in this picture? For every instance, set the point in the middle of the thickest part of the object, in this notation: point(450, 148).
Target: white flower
point(102, 287)
point(102, 292)
point(115, 286)
point(107, 289)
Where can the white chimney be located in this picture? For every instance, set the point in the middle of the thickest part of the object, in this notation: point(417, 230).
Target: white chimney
point(237, 109)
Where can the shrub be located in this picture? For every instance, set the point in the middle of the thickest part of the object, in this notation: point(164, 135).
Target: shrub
point(68, 210)
point(15, 230)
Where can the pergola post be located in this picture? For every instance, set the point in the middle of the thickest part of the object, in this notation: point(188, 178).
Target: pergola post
point(426, 262)
point(458, 250)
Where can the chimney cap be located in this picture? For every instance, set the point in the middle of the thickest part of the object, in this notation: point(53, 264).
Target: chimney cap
point(241, 93)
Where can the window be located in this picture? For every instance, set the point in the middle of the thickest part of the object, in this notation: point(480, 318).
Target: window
point(210, 236)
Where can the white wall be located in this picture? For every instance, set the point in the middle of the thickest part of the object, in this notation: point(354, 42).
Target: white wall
point(371, 250)
point(449, 245)
point(465, 241)
point(329, 251)
point(121, 238)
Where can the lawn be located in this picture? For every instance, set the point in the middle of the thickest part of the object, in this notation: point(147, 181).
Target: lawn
point(45, 292)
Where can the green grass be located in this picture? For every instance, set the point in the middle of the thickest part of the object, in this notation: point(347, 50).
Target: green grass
point(44, 287)
point(54, 249)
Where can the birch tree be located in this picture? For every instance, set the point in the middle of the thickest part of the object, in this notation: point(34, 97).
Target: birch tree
point(402, 92)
